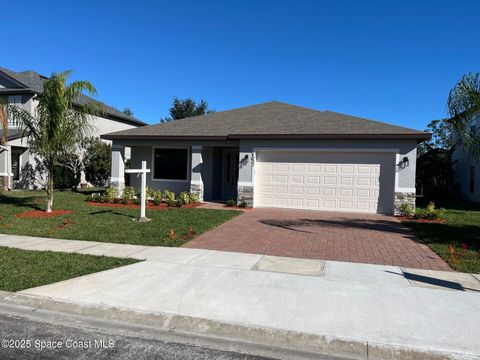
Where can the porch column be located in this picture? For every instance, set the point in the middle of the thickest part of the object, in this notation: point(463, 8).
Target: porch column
point(117, 178)
point(245, 185)
point(196, 181)
point(5, 168)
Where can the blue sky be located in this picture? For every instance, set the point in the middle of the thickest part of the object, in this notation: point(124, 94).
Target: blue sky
point(387, 60)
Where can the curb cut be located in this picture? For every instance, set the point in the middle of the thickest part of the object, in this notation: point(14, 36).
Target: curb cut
point(275, 338)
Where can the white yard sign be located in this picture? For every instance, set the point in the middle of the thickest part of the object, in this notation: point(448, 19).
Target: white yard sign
point(143, 172)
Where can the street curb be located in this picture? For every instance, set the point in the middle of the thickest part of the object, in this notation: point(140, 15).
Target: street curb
point(276, 338)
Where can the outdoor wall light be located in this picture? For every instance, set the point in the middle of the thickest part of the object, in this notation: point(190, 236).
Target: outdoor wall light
point(403, 163)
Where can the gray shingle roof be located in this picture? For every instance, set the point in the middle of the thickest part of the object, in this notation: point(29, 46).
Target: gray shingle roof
point(34, 81)
point(271, 119)
point(12, 134)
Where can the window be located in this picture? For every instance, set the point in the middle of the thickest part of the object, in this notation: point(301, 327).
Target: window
point(472, 179)
point(17, 101)
point(16, 164)
point(170, 164)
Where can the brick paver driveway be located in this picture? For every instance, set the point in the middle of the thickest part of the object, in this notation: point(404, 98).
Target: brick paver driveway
point(364, 238)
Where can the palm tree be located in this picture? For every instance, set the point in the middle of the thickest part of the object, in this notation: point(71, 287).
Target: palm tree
point(59, 123)
point(464, 107)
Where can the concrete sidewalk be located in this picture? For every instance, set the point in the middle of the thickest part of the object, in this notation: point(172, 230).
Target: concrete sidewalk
point(365, 306)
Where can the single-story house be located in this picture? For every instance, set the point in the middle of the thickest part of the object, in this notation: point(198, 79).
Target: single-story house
point(277, 155)
point(466, 170)
point(16, 161)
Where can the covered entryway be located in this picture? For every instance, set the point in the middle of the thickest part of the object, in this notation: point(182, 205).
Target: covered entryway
point(318, 180)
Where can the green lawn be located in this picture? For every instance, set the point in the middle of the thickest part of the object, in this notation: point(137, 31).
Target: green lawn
point(104, 223)
point(22, 269)
point(462, 227)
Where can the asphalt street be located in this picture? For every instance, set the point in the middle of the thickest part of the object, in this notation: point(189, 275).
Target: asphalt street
point(28, 339)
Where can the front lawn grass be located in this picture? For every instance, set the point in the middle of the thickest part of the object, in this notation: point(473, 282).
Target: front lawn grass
point(23, 269)
point(104, 224)
point(462, 226)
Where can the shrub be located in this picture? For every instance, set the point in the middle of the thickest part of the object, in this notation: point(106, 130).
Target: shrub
point(137, 201)
point(168, 195)
point(157, 201)
point(157, 195)
point(243, 204)
point(406, 210)
point(125, 200)
point(110, 194)
point(97, 160)
point(94, 197)
point(184, 197)
point(149, 192)
point(430, 212)
point(128, 192)
point(231, 202)
point(192, 197)
point(172, 203)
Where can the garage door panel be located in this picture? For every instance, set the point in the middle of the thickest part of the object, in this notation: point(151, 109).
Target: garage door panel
point(325, 181)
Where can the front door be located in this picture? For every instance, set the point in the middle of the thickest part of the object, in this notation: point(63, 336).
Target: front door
point(229, 173)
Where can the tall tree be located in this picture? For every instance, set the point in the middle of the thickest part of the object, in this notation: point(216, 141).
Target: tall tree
point(441, 131)
point(184, 108)
point(58, 124)
point(464, 107)
point(128, 111)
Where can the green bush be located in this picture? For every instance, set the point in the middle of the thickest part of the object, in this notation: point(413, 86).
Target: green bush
point(157, 201)
point(430, 212)
point(192, 197)
point(97, 160)
point(157, 196)
point(168, 195)
point(149, 192)
point(110, 194)
point(406, 210)
point(128, 192)
point(231, 202)
point(184, 197)
point(173, 203)
point(243, 204)
point(137, 201)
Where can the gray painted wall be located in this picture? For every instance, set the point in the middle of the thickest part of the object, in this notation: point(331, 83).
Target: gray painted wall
point(141, 153)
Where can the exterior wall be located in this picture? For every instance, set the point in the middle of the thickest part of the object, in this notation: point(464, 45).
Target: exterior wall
point(143, 150)
point(461, 164)
point(404, 177)
point(145, 153)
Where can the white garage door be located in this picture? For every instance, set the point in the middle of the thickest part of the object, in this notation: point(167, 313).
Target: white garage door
point(355, 182)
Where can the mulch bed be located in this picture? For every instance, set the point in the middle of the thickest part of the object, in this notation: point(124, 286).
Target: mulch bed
point(42, 214)
point(425, 221)
point(150, 206)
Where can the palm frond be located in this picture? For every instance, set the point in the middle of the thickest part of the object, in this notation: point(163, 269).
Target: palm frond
point(464, 107)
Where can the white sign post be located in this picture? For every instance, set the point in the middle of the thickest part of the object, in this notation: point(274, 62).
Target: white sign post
point(143, 172)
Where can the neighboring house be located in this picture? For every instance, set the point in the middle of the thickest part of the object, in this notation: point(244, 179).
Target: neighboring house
point(277, 155)
point(466, 172)
point(16, 161)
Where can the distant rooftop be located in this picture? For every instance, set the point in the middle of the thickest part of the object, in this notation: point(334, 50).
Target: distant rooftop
point(33, 81)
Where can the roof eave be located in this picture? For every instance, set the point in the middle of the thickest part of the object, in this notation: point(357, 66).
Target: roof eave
point(114, 136)
point(416, 136)
point(17, 91)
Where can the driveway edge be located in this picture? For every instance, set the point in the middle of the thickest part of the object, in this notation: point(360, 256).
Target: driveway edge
point(276, 338)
